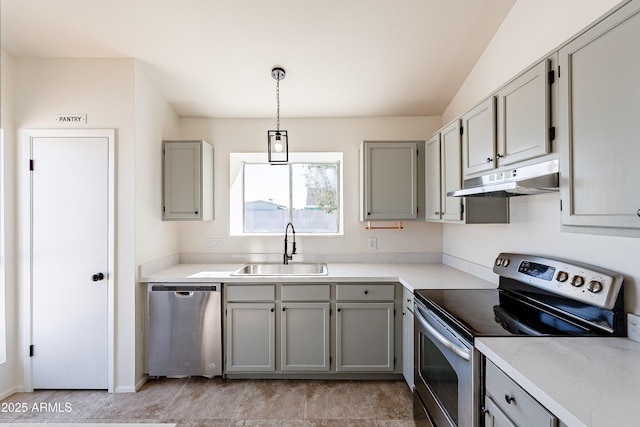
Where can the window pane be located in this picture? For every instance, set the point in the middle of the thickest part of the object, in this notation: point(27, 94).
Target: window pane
point(266, 198)
point(315, 197)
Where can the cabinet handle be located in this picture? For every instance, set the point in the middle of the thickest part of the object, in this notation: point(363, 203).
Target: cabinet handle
point(196, 212)
point(498, 156)
point(489, 160)
point(366, 292)
point(638, 212)
point(509, 399)
point(284, 309)
point(339, 309)
point(438, 213)
point(273, 309)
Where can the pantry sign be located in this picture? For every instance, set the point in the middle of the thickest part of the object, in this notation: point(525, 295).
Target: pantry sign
point(74, 119)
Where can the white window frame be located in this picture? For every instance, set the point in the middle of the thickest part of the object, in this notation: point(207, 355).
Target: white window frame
point(236, 188)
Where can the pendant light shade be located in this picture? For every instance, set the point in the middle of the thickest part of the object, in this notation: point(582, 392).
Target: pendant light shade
point(278, 146)
point(278, 140)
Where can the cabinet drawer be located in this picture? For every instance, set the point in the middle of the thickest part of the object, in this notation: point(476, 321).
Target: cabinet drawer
point(306, 292)
point(251, 293)
point(522, 409)
point(364, 292)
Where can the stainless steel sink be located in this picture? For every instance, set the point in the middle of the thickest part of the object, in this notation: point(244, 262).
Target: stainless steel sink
point(293, 269)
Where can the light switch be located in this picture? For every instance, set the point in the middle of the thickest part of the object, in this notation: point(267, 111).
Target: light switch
point(372, 243)
point(214, 243)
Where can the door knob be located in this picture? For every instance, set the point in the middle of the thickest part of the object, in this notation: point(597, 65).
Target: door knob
point(97, 277)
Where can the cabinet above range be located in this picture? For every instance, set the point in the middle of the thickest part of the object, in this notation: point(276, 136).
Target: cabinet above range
point(513, 124)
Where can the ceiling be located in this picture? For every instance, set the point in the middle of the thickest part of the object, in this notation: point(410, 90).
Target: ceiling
point(213, 58)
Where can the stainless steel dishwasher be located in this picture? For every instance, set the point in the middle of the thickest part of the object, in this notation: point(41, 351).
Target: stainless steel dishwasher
point(185, 330)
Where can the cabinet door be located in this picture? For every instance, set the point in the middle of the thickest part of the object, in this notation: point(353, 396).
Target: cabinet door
point(187, 180)
point(479, 138)
point(304, 335)
point(514, 402)
point(390, 181)
point(433, 185)
point(407, 337)
point(250, 337)
point(524, 116)
point(451, 172)
point(599, 105)
point(493, 415)
point(364, 337)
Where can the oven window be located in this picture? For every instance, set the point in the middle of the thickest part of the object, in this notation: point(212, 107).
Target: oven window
point(440, 377)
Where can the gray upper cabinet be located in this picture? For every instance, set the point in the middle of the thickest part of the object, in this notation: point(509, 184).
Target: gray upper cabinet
point(444, 174)
point(479, 138)
point(599, 109)
point(187, 181)
point(389, 184)
point(511, 126)
point(524, 129)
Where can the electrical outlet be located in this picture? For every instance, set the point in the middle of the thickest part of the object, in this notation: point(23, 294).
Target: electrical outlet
point(633, 327)
point(214, 243)
point(372, 243)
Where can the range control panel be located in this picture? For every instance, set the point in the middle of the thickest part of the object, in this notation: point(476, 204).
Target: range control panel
point(582, 282)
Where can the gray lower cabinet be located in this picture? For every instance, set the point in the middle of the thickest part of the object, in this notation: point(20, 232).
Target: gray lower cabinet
point(493, 415)
point(250, 328)
point(304, 336)
point(508, 404)
point(310, 329)
point(364, 337)
point(365, 327)
point(250, 337)
point(305, 327)
point(407, 337)
point(599, 106)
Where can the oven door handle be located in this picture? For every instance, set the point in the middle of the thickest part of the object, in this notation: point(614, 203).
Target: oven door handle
point(463, 353)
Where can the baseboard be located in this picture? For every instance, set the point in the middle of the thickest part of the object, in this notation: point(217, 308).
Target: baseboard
point(9, 392)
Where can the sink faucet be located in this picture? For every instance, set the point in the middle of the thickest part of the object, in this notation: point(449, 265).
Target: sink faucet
point(287, 257)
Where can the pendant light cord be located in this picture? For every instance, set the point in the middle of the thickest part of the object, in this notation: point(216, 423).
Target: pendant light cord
point(278, 104)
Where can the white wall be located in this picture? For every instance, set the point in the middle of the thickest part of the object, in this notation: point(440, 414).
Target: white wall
point(340, 134)
point(531, 30)
point(154, 239)
point(104, 90)
point(535, 220)
point(10, 374)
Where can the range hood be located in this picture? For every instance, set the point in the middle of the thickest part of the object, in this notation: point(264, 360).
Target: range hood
point(531, 179)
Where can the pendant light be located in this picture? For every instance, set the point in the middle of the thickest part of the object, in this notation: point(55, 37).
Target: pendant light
point(277, 140)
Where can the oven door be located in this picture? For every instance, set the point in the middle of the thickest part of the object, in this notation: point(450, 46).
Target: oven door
point(443, 371)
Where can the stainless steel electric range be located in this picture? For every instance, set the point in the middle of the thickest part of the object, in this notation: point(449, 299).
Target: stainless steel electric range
point(535, 296)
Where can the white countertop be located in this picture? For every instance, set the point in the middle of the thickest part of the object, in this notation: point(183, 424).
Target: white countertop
point(586, 381)
point(411, 276)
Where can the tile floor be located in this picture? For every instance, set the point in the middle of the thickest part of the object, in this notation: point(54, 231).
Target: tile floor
point(200, 402)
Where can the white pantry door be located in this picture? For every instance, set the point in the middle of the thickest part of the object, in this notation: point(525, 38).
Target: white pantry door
point(70, 229)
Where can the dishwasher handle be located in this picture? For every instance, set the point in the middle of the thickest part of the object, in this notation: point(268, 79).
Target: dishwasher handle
point(184, 289)
point(183, 294)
